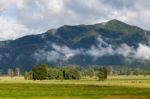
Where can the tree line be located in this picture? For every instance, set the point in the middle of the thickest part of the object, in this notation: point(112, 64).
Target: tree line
point(42, 72)
point(12, 72)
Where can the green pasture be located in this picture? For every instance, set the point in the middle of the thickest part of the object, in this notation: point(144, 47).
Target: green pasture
point(116, 87)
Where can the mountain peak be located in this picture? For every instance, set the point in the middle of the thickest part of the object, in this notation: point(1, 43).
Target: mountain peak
point(119, 26)
point(116, 22)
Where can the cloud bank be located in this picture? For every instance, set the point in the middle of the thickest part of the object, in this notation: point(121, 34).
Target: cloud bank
point(64, 53)
point(24, 17)
point(59, 53)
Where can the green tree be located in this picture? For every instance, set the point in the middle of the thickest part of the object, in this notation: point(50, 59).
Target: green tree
point(18, 71)
point(110, 70)
point(39, 72)
point(43, 71)
point(28, 75)
point(105, 73)
point(102, 74)
point(128, 72)
point(1, 72)
point(136, 72)
point(10, 72)
point(54, 73)
point(71, 73)
point(60, 75)
point(145, 73)
point(88, 72)
point(35, 73)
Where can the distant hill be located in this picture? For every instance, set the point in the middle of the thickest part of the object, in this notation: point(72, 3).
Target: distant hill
point(110, 43)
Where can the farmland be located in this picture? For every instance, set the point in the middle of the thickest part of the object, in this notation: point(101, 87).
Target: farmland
point(118, 87)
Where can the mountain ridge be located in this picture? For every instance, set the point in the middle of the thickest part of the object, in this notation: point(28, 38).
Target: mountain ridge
point(111, 43)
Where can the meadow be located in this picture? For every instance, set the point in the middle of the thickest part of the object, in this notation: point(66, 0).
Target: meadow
point(116, 87)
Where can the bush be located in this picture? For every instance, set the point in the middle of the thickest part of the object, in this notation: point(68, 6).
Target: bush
point(39, 72)
point(102, 74)
point(28, 75)
point(88, 72)
point(54, 73)
point(71, 73)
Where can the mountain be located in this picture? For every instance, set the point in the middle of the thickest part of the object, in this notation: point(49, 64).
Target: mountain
point(109, 43)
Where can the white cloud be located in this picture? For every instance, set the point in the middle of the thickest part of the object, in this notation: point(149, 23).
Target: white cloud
point(54, 6)
point(50, 56)
point(38, 16)
point(64, 53)
point(61, 53)
point(125, 50)
point(100, 51)
point(11, 29)
point(143, 52)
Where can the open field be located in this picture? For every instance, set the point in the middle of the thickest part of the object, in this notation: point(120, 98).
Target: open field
point(116, 87)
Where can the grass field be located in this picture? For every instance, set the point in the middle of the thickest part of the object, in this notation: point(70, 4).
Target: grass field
point(116, 87)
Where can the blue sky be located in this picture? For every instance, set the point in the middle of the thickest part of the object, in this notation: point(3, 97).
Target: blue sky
point(24, 17)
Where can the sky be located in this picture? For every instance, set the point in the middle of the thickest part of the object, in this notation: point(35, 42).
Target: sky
point(25, 17)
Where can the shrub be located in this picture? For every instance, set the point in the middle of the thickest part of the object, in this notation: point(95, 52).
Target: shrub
point(102, 74)
point(39, 72)
point(54, 73)
point(28, 75)
point(71, 73)
point(88, 72)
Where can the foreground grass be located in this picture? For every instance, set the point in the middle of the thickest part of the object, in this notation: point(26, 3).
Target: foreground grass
point(64, 90)
point(114, 88)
